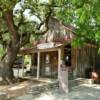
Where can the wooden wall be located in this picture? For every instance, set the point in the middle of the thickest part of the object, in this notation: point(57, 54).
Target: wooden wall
point(82, 59)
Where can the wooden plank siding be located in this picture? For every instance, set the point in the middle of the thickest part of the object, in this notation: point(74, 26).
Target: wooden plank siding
point(82, 59)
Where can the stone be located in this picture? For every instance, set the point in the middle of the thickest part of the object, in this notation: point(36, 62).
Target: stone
point(3, 96)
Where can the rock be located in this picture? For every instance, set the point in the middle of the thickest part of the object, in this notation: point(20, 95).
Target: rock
point(3, 96)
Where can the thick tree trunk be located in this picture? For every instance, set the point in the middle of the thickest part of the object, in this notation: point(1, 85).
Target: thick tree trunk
point(12, 49)
point(6, 73)
point(7, 64)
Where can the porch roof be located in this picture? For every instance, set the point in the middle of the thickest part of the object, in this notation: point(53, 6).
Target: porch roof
point(42, 47)
point(50, 46)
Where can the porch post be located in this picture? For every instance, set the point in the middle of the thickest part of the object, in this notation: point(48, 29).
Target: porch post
point(59, 62)
point(22, 65)
point(38, 65)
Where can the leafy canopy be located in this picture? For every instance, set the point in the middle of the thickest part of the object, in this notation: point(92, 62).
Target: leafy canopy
point(30, 15)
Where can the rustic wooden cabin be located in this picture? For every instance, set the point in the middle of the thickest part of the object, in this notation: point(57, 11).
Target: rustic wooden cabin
point(54, 49)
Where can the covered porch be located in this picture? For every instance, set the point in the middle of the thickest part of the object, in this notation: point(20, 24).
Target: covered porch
point(46, 62)
point(48, 58)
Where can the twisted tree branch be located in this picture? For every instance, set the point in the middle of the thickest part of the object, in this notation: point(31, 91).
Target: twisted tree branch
point(48, 15)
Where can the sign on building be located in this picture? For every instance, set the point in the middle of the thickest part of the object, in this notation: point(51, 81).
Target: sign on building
point(45, 45)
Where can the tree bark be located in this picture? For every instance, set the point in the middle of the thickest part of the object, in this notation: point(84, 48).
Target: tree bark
point(14, 45)
point(12, 49)
point(7, 64)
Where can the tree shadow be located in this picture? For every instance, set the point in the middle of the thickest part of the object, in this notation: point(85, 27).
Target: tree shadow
point(82, 92)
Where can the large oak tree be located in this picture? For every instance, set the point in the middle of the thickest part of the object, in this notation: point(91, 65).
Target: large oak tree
point(19, 21)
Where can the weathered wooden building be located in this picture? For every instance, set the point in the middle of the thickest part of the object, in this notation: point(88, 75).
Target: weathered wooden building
point(53, 50)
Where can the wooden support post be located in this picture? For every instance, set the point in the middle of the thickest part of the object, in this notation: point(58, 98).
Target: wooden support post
point(38, 65)
point(22, 65)
point(59, 62)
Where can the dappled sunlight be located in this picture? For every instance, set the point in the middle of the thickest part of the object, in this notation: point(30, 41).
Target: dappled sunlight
point(51, 96)
point(95, 86)
point(3, 88)
point(88, 85)
point(47, 97)
point(20, 86)
point(16, 88)
point(90, 94)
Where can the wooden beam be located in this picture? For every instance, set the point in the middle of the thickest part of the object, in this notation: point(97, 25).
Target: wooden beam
point(22, 65)
point(38, 65)
point(45, 50)
point(59, 62)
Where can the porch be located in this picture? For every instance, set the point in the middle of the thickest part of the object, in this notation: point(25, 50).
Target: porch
point(48, 64)
point(47, 59)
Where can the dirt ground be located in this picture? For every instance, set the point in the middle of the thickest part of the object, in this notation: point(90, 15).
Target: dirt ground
point(81, 92)
point(18, 89)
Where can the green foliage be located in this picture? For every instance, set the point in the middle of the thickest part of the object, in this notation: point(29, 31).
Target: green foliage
point(2, 51)
point(27, 59)
point(83, 14)
point(78, 42)
point(6, 37)
point(64, 11)
point(8, 4)
point(88, 19)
